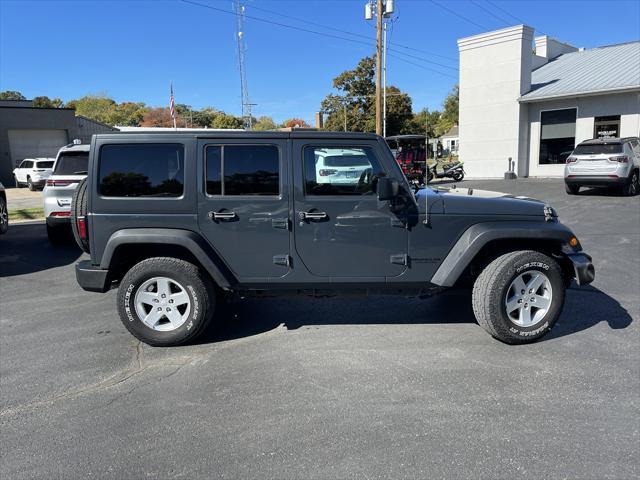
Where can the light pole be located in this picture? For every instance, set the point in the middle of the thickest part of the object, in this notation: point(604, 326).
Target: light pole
point(383, 10)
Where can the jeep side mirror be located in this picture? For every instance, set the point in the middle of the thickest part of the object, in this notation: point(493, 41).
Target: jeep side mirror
point(388, 188)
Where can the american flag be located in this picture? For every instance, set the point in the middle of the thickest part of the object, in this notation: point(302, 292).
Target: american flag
point(172, 105)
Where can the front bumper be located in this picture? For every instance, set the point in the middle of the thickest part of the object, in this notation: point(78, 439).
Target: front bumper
point(583, 269)
point(91, 278)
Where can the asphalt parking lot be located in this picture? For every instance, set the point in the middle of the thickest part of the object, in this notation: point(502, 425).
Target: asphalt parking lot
point(335, 388)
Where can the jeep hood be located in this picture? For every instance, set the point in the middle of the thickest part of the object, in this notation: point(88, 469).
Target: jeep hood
point(469, 201)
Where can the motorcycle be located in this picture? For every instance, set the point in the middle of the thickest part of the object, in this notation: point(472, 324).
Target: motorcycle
point(455, 171)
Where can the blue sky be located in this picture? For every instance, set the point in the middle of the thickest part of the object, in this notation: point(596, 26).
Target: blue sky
point(131, 50)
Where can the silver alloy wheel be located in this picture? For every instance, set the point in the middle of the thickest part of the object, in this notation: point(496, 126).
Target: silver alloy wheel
point(528, 298)
point(162, 304)
point(634, 184)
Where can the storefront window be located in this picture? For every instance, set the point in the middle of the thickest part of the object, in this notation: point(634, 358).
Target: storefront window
point(606, 127)
point(557, 136)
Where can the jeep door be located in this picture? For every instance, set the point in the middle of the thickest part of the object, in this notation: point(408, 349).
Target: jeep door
point(341, 229)
point(243, 204)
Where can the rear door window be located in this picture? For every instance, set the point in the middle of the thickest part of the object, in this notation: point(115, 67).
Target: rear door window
point(141, 170)
point(243, 170)
point(72, 164)
point(47, 164)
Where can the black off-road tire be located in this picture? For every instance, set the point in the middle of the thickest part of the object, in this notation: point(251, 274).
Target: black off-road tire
point(632, 188)
point(59, 235)
point(572, 189)
point(79, 209)
point(491, 288)
point(4, 216)
point(197, 284)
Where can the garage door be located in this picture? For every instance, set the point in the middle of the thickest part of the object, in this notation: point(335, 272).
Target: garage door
point(35, 143)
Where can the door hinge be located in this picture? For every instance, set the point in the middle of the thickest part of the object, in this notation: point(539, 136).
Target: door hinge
point(284, 260)
point(400, 259)
point(280, 223)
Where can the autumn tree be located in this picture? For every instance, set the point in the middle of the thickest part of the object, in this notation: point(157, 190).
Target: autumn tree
point(95, 107)
point(296, 123)
point(158, 117)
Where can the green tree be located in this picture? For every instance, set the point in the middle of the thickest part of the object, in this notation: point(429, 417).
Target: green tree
point(95, 107)
point(128, 114)
point(11, 95)
point(449, 116)
point(356, 100)
point(425, 121)
point(46, 102)
point(224, 120)
point(204, 117)
point(264, 123)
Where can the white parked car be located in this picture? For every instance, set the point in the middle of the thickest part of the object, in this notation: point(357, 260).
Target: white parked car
point(33, 172)
point(606, 162)
point(341, 166)
point(69, 169)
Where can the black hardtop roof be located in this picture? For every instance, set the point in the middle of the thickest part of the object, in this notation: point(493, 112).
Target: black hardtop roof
point(242, 134)
point(605, 141)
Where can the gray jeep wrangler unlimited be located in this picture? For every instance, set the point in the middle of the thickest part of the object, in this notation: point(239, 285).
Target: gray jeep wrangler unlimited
point(177, 221)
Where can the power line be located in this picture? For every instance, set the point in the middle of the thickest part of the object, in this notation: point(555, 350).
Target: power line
point(396, 56)
point(517, 19)
point(346, 32)
point(306, 30)
point(453, 12)
point(480, 6)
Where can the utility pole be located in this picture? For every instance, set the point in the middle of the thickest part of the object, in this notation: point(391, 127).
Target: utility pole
point(244, 92)
point(379, 11)
point(383, 10)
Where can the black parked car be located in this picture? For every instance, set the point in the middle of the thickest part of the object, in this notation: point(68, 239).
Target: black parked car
point(175, 221)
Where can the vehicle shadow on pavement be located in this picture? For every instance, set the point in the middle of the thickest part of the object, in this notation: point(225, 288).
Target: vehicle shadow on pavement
point(25, 249)
point(584, 308)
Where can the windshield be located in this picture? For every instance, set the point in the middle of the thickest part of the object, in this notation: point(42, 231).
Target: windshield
point(346, 161)
point(72, 164)
point(45, 164)
point(598, 148)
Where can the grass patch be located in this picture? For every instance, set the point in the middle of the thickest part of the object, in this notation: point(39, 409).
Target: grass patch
point(26, 214)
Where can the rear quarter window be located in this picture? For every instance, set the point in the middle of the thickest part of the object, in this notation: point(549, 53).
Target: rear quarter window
point(48, 164)
point(141, 170)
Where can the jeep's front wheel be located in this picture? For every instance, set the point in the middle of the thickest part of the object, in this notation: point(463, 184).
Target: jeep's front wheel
point(519, 296)
point(165, 301)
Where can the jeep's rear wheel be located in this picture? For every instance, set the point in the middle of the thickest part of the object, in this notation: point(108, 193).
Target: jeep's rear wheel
point(165, 301)
point(519, 296)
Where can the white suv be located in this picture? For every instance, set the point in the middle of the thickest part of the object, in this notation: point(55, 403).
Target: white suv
point(341, 166)
point(69, 169)
point(33, 172)
point(604, 162)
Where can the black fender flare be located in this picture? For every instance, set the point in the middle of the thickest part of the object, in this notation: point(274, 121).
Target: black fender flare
point(192, 241)
point(478, 235)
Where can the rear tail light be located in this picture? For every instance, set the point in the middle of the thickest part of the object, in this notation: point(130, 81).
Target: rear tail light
point(327, 172)
point(59, 183)
point(571, 159)
point(82, 227)
point(620, 159)
point(60, 214)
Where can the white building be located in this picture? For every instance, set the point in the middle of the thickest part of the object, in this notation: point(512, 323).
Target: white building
point(451, 141)
point(536, 105)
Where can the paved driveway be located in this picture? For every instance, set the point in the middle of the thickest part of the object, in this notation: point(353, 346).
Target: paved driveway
point(338, 388)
